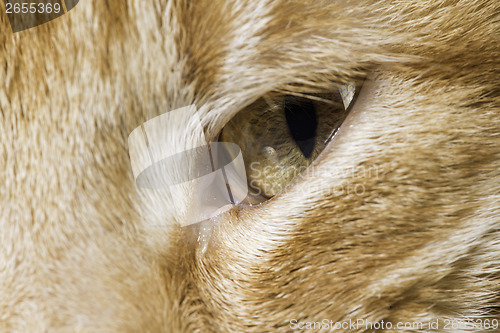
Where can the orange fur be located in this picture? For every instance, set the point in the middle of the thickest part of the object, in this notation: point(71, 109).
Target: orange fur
point(82, 249)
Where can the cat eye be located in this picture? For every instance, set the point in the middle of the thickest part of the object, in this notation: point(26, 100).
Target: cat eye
point(281, 135)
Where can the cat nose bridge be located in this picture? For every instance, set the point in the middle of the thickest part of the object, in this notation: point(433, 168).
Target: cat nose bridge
point(169, 153)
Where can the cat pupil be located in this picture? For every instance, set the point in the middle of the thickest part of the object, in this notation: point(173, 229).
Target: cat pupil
point(302, 121)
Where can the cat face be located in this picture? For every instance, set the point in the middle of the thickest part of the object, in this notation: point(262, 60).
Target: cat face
point(393, 215)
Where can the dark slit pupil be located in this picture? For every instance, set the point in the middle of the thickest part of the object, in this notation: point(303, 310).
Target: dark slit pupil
point(301, 119)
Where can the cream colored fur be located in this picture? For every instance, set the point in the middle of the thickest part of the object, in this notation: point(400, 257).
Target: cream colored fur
point(82, 249)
